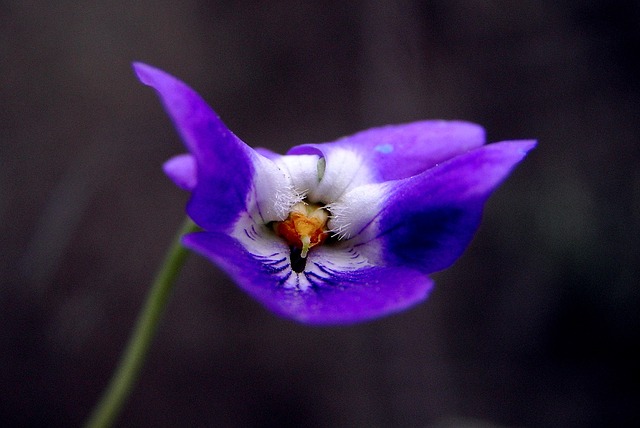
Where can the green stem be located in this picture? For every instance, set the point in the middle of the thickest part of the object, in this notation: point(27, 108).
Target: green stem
point(121, 384)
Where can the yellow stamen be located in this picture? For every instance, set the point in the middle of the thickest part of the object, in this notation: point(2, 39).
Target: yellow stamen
point(305, 227)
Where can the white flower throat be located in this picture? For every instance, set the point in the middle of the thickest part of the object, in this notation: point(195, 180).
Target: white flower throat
point(307, 200)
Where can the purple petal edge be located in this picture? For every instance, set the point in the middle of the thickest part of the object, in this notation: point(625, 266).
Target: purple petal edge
point(224, 163)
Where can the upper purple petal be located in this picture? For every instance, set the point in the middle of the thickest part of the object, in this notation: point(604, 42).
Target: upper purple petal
point(429, 219)
point(401, 151)
point(224, 163)
point(336, 297)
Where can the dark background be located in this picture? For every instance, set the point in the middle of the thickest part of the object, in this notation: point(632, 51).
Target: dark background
point(534, 326)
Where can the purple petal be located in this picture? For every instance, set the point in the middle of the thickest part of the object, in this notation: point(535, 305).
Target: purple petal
point(231, 178)
point(335, 297)
point(182, 170)
point(269, 154)
point(429, 219)
point(401, 151)
point(224, 163)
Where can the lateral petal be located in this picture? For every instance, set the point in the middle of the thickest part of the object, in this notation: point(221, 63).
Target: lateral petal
point(428, 220)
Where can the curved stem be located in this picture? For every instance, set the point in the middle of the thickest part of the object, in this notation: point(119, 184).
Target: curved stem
point(121, 384)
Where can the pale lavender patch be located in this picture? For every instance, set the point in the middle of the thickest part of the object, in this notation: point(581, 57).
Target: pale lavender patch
point(384, 148)
point(182, 171)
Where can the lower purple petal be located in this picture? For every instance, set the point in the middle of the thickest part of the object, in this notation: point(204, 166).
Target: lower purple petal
point(336, 297)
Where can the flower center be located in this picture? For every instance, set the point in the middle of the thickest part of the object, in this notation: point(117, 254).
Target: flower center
point(305, 227)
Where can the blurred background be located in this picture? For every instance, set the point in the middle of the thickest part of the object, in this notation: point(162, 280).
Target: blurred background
point(536, 325)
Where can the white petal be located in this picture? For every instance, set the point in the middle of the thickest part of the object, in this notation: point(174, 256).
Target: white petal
point(273, 193)
point(344, 171)
point(302, 170)
point(356, 210)
point(324, 180)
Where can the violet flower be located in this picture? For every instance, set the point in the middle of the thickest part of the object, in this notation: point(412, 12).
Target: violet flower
point(339, 232)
